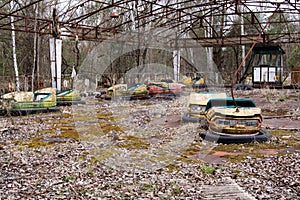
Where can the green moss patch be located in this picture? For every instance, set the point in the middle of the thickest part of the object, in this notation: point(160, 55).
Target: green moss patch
point(207, 169)
point(107, 116)
point(192, 150)
point(73, 134)
point(99, 155)
point(36, 143)
point(107, 127)
point(286, 140)
point(133, 142)
point(173, 168)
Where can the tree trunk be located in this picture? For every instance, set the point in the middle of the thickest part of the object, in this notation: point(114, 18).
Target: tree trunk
point(14, 49)
point(35, 46)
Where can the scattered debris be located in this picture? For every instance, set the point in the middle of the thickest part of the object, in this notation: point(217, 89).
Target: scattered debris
point(144, 152)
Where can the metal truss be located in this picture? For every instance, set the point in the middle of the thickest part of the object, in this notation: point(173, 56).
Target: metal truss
point(209, 22)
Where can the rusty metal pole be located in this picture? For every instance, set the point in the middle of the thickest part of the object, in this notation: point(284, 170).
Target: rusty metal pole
point(243, 61)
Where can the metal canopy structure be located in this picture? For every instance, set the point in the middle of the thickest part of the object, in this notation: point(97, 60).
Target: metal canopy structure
point(210, 22)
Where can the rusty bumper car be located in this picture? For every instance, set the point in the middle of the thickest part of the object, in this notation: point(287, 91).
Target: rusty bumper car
point(197, 105)
point(23, 103)
point(227, 123)
point(68, 97)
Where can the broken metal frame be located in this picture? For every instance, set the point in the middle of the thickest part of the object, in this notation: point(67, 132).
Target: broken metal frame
point(185, 16)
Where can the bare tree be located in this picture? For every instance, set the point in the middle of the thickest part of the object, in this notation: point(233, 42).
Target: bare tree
point(13, 36)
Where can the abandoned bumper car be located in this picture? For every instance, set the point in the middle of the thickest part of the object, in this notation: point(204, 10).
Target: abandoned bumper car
point(122, 91)
point(142, 91)
point(68, 97)
point(164, 89)
point(197, 105)
point(22, 103)
point(233, 122)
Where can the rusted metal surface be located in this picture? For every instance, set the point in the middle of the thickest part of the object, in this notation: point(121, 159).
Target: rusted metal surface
point(75, 21)
point(296, 75)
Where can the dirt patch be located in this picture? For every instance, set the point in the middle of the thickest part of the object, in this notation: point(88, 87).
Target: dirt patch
point(281, 108)
point(282, 123)
point(170, 121)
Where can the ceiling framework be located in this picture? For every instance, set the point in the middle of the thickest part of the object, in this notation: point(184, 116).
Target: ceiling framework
point(209, 22)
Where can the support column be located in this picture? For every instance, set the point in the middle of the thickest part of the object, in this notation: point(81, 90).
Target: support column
point(55, 62)
point(176, 63)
